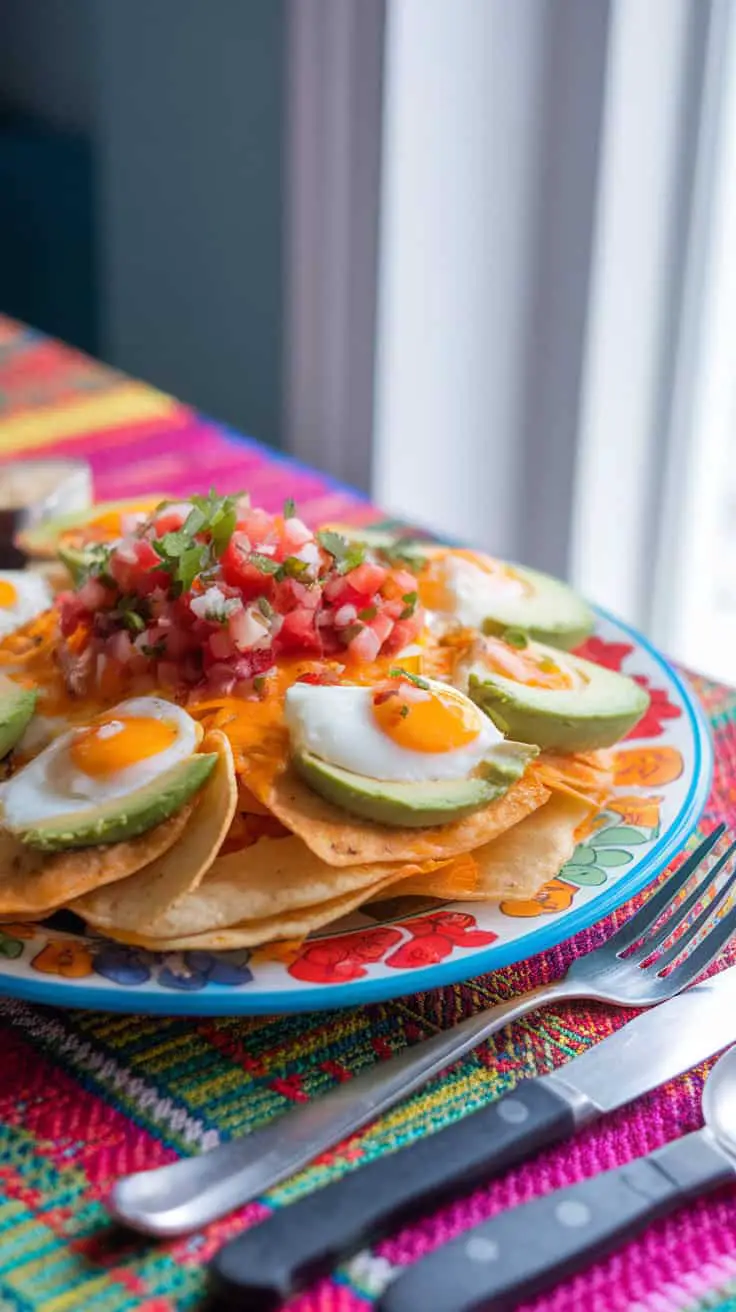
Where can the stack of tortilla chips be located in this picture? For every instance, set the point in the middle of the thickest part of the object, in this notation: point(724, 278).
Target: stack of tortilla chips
point(172, 889)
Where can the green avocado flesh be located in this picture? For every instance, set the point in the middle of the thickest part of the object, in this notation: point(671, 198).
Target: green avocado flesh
point(553, 613)
point(16, 710)
point(597, 714)
point(123, 818)
point(413, 805)
point(76, 560)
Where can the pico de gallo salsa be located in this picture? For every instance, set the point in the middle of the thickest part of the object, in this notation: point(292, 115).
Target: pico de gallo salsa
point(212, 593)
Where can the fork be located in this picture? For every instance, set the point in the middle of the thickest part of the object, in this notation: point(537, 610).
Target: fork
point(626, 970)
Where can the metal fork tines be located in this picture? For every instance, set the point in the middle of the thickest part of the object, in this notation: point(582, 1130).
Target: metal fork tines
point(672, 926)
point(639, 965)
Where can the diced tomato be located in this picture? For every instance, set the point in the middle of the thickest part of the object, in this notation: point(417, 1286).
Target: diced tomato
point(400, 583)
point(169, 522)
point(366, 578)
point(239, 573)
point(290, 594)
point(298, 633)
point(220, 645)
point(72, 612)
point(320, 678)
point(296, 534)
point(260, 527)
point(403, 634)
point(381, 626)
point(365, 646)
point(342, 594)
point(249, 664)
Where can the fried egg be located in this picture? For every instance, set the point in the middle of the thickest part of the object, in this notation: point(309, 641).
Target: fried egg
point(463, 585)
point(399, 732)
point(118, 753)
point(22, 596)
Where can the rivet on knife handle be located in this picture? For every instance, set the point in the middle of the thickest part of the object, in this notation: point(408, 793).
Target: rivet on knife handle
point(298, 1243)
point(520, 1252)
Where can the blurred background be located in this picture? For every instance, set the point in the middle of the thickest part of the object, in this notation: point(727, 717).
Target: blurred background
point(477, 259)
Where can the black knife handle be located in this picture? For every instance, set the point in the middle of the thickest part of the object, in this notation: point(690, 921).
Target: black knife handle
point(516, 1254)
point(301, 1242)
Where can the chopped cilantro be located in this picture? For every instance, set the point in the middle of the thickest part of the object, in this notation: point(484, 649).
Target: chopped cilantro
point(215, 515)
point(265, 607)
point(265, 564)
point(191, 563)
point(396, 672)
point(289, 508)
point(133, 621)
point(172, 545)
point(404, 711)
point(259, 683)
point(347, 555)
point(410, 600)
point(368, 613)
point(195, 521)
point(294, 568)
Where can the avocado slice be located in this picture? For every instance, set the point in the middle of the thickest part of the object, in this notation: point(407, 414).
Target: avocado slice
point(16, 709)
point(597, 711)
point(123, 818)
point(548, 610)
point(76, 560)
point(414, 805)
point(42, 540)
point(551, 612)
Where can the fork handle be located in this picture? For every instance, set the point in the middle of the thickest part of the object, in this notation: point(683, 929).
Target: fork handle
point(186, 1195)
point(297, 1244)
point(521, 1252)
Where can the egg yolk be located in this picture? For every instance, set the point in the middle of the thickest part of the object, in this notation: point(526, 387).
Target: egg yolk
point(8, 594)
point(113, 743)
point(436, 586)
point(425, 721)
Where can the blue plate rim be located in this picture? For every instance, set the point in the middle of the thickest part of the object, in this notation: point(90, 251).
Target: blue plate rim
point(219, 1000)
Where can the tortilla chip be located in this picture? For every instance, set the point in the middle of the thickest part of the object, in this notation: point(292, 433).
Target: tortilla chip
point(521, 860)
point(457, 881)
point(587, 775)
point(249, 933)
point(34, 884)
point(344, 840)
point(145, 897)
point(272, 879)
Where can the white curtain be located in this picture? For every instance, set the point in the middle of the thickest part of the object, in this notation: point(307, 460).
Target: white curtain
point(548, 244)
point(540, 174)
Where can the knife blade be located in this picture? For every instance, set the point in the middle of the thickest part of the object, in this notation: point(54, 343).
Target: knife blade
point(305, 1240)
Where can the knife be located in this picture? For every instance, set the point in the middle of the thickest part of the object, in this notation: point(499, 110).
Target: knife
point(494, 1265)
point(297, 1244)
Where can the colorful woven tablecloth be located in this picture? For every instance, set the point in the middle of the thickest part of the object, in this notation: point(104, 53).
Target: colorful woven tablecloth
point(88, 1096)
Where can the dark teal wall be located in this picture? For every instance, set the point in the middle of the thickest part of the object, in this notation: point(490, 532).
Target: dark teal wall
point(189, 132)
point(155, 237)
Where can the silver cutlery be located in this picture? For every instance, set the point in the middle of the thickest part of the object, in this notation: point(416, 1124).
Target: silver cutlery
point(296, 1244)
point(186, 1195)
point(518, 1253)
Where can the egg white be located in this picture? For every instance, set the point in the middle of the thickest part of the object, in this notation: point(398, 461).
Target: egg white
point(50, 785)
point(471, 591)
point(33, 596)
point(336, 724)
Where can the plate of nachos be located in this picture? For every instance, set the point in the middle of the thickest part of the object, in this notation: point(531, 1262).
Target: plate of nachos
point(251, 765)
